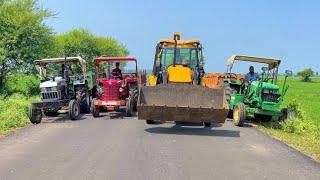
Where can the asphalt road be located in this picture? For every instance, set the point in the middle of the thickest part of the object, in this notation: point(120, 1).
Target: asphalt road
point(126, 148)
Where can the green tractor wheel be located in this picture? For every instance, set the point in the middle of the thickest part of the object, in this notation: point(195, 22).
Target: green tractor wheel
point(239, 114)
point(287, 114)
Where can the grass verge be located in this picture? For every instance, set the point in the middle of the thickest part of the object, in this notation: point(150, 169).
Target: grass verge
point(303, 132)
point(14, 112)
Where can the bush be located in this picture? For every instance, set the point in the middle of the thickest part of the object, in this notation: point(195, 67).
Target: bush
point(306, 74)
point(14, 112)
point(27, 85)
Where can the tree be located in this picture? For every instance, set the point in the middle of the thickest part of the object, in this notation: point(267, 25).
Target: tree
point(306, 74)
point(24, 36)
point(81, 42)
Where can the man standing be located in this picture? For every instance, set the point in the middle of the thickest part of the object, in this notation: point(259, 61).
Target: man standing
point(251, 76)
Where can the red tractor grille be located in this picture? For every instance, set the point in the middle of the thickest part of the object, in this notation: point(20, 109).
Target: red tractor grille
point(110, 93)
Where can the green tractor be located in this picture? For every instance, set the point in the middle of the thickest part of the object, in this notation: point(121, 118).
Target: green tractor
point(261, 97)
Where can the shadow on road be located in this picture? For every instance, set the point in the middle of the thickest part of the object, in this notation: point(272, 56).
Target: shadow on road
point(180, 130)
point(62, 118)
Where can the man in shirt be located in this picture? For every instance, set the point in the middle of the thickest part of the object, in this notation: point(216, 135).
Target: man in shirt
point(251, 76)
point(116, 72)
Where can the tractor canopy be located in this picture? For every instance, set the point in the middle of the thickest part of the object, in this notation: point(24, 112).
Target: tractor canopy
point(44, 62)
point(104, 65)
point(272, 63)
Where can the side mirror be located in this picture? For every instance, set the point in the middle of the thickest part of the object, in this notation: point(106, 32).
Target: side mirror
point(289, 73)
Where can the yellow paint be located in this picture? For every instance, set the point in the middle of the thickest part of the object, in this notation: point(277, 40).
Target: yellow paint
point(152, 80)
point(179, 73)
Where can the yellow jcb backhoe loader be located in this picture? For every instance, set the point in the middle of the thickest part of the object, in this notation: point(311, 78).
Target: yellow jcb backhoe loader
point(178, 87)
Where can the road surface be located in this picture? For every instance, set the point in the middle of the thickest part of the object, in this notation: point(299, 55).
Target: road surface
point(126, 148)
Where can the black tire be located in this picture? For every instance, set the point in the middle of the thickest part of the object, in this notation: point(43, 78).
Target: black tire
point(83, 96)
point(74, 109)
point(129, 107)
point(94, 110)
point(287, 114)
point(239, 114)
point(207, 124)
point(228, 92)
point(150, 121)
point(134, 93)
point(262, 117)
point(35, 115)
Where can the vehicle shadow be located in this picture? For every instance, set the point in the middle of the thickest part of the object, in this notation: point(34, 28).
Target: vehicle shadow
point(198, 131)
point(62, 118)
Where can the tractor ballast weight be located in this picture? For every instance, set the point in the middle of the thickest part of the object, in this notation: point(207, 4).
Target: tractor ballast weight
point(176, 92)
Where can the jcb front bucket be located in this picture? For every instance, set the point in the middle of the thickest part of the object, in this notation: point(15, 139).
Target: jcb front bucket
point(182, 102)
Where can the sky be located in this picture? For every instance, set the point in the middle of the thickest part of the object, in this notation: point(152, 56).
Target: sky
point(288, 30)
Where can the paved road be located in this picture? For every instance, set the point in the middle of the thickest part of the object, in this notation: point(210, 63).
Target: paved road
point(127, 148)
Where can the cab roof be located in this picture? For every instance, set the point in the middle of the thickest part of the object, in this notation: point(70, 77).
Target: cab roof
point(273, 63)
point(106, 59)
point(60, 60)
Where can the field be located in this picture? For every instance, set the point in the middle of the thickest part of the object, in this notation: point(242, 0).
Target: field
point(302, 133)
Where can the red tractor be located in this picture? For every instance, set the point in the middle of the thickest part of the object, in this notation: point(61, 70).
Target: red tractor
point(116, 85)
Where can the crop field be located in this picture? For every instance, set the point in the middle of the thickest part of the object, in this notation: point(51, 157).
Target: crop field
point(302, 133)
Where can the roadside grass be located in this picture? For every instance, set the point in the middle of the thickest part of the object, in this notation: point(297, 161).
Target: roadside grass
point(302, 133)
point(14, 112)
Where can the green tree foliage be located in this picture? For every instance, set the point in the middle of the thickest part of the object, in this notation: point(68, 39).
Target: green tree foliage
point(81, 42)
point(306, 74)
point(23, 36)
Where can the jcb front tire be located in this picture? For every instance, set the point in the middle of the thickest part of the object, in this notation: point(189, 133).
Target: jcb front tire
point(35, 115)
point(239, 114)
point(74, 109)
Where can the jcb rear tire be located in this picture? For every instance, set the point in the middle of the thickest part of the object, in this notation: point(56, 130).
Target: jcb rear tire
point(239, 114)
point(35, 115)
point(74, 109)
